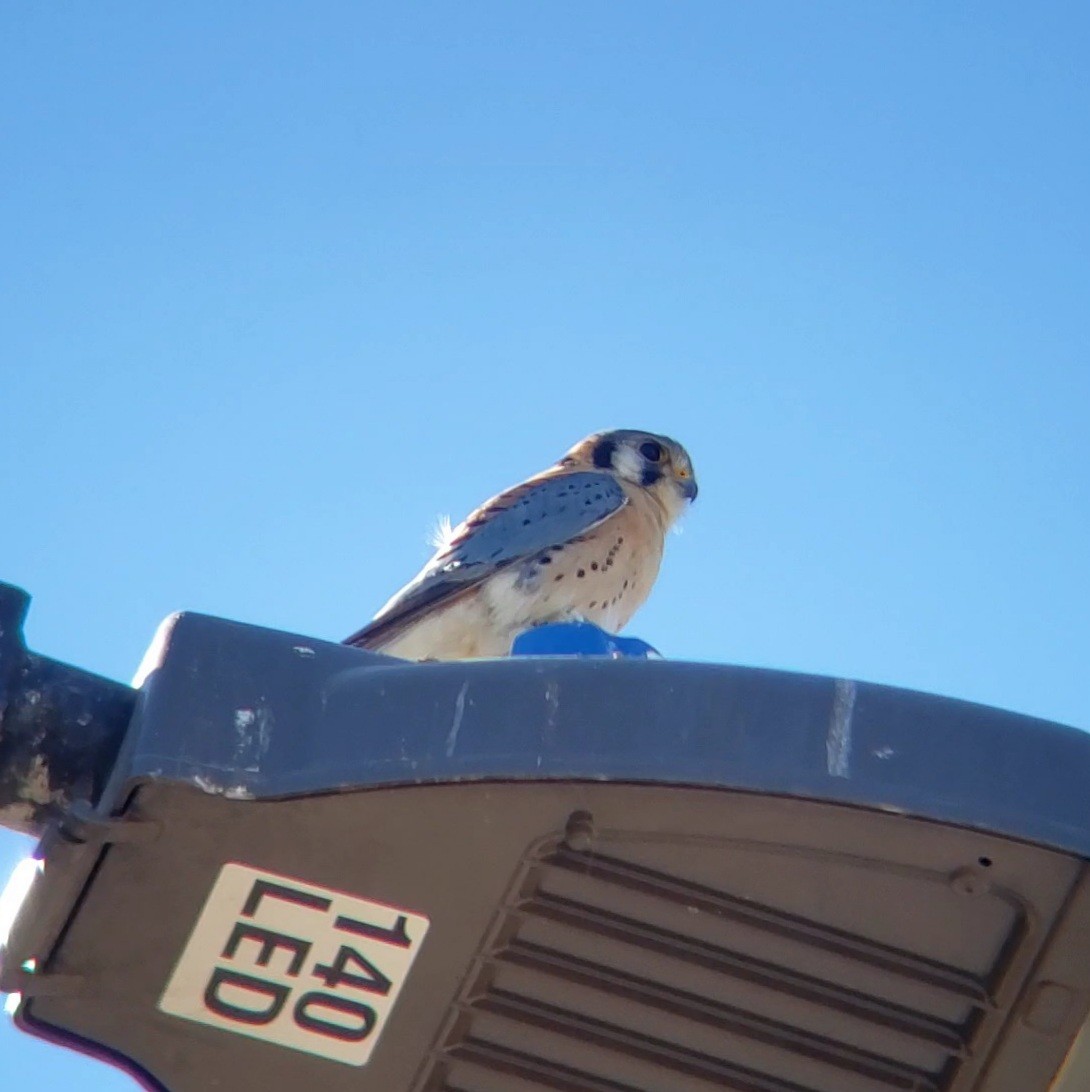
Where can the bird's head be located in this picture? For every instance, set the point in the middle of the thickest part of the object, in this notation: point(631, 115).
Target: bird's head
point(654, 463)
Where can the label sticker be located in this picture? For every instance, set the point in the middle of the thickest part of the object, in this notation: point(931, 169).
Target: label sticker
point(293, 964)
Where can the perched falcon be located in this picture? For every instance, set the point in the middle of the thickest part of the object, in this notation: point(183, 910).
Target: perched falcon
point(580, 541)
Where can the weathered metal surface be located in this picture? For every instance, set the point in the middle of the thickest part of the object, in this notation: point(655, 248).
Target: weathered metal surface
point(251, 713)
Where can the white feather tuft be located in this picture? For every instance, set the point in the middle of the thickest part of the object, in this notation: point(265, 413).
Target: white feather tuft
point(440, 535)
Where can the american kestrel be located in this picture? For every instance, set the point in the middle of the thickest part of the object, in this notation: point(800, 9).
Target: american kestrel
point(582, 540)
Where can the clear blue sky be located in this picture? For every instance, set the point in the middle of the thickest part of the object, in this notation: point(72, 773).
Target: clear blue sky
point(282, 283)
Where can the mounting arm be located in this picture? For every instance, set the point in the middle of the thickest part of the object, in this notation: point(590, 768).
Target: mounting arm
point(60, 727)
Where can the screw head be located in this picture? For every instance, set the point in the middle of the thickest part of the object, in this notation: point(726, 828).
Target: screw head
point(579, 832)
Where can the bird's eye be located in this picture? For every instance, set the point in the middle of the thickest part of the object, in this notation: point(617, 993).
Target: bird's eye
point(651, 451)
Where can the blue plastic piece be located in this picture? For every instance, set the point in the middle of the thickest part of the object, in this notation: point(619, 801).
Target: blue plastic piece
point(580, 639)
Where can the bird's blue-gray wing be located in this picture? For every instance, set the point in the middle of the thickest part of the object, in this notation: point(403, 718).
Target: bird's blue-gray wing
point(512, 527)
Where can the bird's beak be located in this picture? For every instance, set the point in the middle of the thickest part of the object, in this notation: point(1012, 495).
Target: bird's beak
point(688, 487)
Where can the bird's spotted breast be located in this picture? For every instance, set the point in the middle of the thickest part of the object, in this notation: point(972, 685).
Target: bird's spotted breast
point(602, 576)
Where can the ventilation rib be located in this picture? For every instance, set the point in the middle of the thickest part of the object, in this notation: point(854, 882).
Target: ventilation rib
point(615, 977)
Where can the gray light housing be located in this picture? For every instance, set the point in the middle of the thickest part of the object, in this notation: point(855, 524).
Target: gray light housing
point(640, 876)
